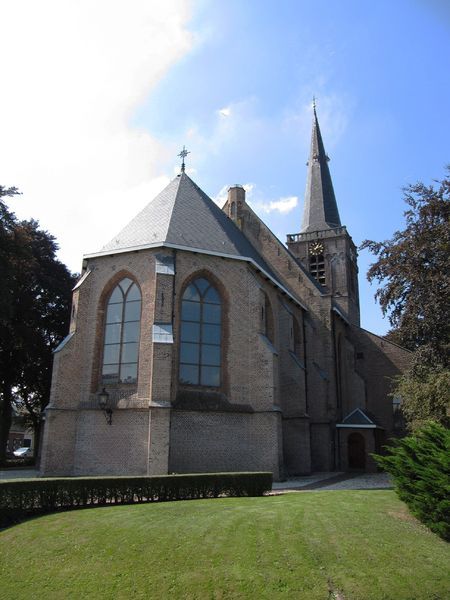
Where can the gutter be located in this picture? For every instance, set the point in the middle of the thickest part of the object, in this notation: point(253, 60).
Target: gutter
point(247, 259)
point(341, 315)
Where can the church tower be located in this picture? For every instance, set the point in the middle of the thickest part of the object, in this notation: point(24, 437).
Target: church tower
point(323, 245)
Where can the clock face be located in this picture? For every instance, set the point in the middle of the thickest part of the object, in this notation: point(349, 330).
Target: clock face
point(316, 248)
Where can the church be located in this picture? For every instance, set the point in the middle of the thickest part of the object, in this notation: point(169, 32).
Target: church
point(199, 342)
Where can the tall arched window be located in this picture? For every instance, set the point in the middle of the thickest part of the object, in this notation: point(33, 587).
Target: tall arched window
point(201, 335)
point(122, 330)
point(297, 338)
point(267, 316)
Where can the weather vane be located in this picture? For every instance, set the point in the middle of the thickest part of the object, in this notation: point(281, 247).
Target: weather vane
point(183, 155)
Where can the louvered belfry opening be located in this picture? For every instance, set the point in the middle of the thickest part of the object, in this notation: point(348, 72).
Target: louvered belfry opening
point(317, 267)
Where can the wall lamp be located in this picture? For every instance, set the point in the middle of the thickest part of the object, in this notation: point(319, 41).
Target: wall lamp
point(103, 400)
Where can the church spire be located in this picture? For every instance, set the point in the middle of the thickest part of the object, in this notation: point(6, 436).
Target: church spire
point(320, 209)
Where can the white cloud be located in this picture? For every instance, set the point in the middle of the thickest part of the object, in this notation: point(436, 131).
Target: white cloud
point(283, 205)
point(75, 72)
point(225, 112)
point(248, 187)
point(221, 197)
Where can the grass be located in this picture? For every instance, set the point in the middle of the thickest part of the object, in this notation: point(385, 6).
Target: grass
point(358, 545)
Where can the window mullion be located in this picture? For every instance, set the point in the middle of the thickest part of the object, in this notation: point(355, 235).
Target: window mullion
point(205, 338)
point(200, 354)
point(121, 332)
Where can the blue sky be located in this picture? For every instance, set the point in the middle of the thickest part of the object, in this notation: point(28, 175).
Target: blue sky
point(234, 82)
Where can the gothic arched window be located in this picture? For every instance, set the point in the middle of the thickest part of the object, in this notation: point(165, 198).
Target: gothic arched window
point(201, 334)
point(122, 330)
point(267, 326)
point(297, 338)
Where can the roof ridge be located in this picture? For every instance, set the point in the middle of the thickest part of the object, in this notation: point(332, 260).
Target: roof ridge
point(241, 242)
point(126, 232)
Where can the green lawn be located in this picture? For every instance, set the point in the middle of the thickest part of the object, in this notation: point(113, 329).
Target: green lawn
point(362, 544)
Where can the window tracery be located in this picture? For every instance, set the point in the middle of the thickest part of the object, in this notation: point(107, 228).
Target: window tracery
point(201, 335)
point(122, 333)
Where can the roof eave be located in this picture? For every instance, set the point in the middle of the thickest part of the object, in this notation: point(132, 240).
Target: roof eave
point(246, 259)
point(356, 426)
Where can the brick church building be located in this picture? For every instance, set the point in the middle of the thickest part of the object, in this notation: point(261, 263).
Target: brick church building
point(200, 343)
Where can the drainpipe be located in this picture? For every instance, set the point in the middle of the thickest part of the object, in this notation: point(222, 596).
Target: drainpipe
point(174, 380)
point(336, 437)
point(306, 363)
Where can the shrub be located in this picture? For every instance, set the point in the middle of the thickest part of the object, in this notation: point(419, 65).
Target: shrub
point(18, 463)
point(420, 467)
point(27, 497)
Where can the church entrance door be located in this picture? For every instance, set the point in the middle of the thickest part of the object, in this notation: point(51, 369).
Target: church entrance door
point(356, 451)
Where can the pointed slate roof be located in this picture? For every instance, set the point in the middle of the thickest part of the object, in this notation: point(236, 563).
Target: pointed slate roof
point(182, 216)
point(320, 209)
point(359, 419)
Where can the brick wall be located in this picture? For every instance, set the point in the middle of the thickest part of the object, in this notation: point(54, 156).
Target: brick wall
point(208, 442)
point(117, 449)
point(138, 440)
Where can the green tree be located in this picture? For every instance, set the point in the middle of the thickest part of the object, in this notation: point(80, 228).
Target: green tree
point(420, 467)
point(34, 312)
point(413, 270)
point(425, 391)
point(414, 276)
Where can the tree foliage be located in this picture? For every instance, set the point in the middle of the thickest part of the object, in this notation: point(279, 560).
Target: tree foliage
point(420, 467)
point(424, 391)
point(34, 310)
point(413, 268)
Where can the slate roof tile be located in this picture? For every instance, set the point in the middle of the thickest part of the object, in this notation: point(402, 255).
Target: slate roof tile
point(183, 215)
point(320, 210)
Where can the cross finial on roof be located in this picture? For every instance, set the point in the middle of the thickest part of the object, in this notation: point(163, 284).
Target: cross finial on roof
point(183, 155)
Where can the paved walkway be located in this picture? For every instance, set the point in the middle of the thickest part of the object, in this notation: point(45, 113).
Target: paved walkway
point(334, 481)
point(317, 481)
point(18, 474)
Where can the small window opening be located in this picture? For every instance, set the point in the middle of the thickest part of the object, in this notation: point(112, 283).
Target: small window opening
point(317, 267)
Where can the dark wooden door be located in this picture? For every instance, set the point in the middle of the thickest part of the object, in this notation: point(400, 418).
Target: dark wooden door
point(356, 451)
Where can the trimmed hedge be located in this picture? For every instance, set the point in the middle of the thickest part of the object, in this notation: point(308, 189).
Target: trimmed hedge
point(23, 498)
point(18, 463)
point(420, 467)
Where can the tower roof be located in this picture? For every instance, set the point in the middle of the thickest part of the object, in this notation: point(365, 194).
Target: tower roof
point(320, 208)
